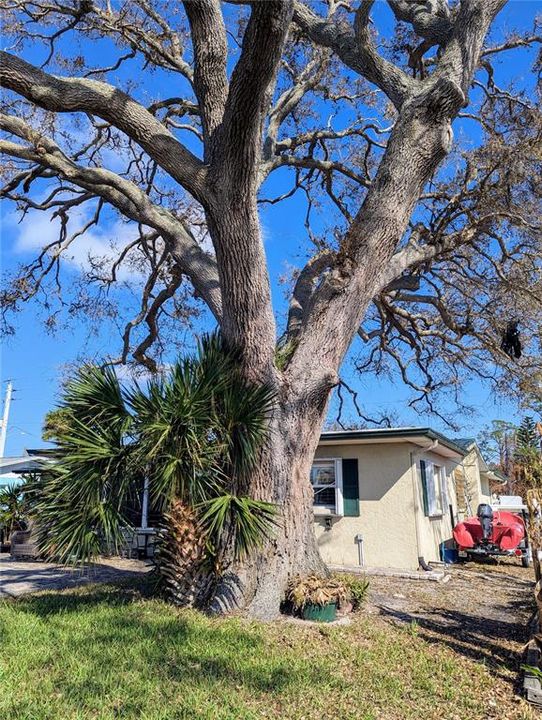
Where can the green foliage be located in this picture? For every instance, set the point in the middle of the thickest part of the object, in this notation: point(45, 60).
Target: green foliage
point(57, 422)
point(12, 509)
point(532, 670)
point(528, 455)
point(195, 433)
point(79, 503)
point(99, 652)
point(358, 587)
point(497, 442)
point(527, 438)
point(249, 521)
point(284, 353)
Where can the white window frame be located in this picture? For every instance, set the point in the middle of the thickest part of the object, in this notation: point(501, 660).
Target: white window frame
point(338, 509)
point(431, 478)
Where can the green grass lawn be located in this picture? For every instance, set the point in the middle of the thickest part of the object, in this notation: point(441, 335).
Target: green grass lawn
point(103, 653)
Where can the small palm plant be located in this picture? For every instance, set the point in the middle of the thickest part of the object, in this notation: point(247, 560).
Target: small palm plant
point(194, 433)
point(12, 510)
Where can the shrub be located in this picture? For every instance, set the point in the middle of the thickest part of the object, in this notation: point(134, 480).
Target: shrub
point(357, 587)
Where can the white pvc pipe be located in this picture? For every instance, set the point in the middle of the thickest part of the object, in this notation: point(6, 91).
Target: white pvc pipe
point(360, 553)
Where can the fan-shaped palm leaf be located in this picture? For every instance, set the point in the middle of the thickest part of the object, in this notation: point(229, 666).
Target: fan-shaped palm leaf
point(194, 434)
point(248, 521)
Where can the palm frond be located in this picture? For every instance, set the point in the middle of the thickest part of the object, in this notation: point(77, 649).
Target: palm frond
point(245, 411)
point(94, 395)
point(249, 521)
point(195, 434)
point(78, 504)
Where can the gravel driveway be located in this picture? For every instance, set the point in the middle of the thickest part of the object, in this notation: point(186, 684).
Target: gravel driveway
point(18, 577)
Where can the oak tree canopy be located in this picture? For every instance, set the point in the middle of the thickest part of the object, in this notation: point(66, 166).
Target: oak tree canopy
point(416, 171)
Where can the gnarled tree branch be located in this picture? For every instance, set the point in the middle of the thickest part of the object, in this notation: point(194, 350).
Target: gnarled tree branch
point(111, 104)
point(126, 197)
point(356, 50)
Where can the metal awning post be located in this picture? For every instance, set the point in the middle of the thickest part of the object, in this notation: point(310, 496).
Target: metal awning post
point(145, 505)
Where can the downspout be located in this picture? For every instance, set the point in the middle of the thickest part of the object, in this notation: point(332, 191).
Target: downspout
point(413, 465)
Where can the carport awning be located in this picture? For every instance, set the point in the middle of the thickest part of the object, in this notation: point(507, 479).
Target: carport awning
point(21, 465)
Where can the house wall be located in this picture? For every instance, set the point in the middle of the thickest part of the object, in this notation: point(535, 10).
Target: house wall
point(386, 519)
point(485, 491)
point(477, 488)
point(391, 521)
point(432, 531)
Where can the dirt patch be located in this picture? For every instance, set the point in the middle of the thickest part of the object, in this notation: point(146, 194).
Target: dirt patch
point(483, 613)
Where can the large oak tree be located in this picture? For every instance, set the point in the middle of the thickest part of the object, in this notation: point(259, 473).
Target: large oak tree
point(423, 262)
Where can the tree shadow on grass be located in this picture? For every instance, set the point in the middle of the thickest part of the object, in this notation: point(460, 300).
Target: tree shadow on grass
point(472, 636)
point(41, 576)
point(163, 644)
point(74, 599)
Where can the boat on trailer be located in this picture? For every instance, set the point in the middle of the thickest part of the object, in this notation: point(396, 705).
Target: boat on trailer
point(496, 530)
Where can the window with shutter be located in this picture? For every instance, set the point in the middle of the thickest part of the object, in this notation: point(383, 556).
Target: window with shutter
point(425, 495)
point(350, 487)
point(327, 483)
point(444, 487)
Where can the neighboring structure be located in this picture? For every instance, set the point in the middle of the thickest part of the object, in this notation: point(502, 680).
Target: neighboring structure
point(139, 539)
point(13, 468)
point(385, 498)
point(474, 479)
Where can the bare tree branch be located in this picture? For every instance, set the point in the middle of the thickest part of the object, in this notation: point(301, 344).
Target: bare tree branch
point(114, 106)
point(356, 50)
point(125, 196)
point(430, 20)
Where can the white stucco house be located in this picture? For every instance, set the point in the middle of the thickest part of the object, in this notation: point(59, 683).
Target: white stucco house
point(387, 497)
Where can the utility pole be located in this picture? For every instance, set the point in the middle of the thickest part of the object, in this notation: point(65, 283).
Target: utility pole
point(5, 417)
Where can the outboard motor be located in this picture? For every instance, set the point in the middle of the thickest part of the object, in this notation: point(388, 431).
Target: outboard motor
point(485, 516)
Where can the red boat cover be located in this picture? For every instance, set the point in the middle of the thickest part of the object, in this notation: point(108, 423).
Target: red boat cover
point(508, 531)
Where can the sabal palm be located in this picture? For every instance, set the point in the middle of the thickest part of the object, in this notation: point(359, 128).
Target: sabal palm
point(194, 434)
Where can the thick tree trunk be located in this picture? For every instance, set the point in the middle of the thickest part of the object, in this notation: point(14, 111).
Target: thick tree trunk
point(305, 386)
point(421, 138)
point(258, 585)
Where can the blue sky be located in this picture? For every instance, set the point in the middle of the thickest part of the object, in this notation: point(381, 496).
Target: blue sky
point(35, 360)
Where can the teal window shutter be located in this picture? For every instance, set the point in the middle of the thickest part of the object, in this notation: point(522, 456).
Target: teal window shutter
point(350, 488)
point(423, 475)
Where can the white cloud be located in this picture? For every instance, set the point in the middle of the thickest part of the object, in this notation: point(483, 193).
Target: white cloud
point(100, 243)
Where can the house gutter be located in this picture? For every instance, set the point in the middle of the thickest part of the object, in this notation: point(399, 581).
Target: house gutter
point(413, 457)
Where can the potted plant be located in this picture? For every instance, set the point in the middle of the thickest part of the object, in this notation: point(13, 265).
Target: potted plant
point(317, 597)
